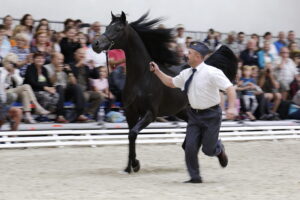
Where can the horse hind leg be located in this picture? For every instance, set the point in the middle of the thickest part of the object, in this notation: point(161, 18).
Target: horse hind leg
point(133, 163)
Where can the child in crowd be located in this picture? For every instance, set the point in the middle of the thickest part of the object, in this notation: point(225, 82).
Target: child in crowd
point(247, 86)
point(101, 85)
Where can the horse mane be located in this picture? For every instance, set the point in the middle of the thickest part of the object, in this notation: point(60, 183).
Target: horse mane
point(156, 40)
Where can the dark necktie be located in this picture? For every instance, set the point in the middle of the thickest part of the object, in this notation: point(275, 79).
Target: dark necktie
point(188, 82)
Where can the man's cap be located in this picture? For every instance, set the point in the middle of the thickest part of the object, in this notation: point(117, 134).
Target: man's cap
point(200, 48)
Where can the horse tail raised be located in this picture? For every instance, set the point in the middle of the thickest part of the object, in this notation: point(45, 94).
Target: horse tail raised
point(225, 60)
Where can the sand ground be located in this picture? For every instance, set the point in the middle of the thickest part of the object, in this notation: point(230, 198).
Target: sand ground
point(257, 170)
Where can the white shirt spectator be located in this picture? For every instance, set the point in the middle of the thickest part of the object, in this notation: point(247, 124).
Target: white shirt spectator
point(97, 59)
point(287, 74)
point(204, 89)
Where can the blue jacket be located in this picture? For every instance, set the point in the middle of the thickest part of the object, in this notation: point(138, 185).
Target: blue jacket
point(261, 58)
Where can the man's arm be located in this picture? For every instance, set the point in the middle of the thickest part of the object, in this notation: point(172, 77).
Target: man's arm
point(165, 79)
point(231, 96)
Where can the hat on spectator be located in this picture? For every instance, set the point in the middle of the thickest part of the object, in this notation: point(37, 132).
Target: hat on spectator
point(200, 48)
point(179, 26)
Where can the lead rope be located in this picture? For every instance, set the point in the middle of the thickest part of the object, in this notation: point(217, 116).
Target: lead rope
point(107, 65)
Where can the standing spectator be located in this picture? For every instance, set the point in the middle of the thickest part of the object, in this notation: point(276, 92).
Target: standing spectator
point(180, 39)
point(28, 22)
point(15, 87)
point(285, 71)
point(95, 30)
point(62, 78)
point(43, 45)
point(264, 55)
point(69, 45)
point(241, 44)
point(82, 74)
point(7, 22)
point(37, 77)
point(249, 56)
point(5, 46)
point(230, 41)
point(280, 42)
point(22, 51)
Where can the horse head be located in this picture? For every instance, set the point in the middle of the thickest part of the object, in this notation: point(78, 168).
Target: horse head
point(114, 32)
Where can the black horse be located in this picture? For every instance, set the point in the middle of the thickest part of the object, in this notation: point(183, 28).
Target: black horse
point(145, 97)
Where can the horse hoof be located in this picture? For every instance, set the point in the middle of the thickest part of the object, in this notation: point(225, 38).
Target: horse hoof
point(127, 170)
point(137, 166)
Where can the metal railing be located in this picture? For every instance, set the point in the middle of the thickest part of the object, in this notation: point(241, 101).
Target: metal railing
point(93, 138)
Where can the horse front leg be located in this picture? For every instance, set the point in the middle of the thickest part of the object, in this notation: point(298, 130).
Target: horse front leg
point(133, 163)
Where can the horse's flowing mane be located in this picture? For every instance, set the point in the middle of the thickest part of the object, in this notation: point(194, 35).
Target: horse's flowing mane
point(156, 40)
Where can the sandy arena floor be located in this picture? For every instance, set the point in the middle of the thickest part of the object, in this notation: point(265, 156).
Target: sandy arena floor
point(267, 170)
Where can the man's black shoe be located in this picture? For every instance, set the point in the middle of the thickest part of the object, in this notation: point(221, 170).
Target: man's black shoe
point(193, 181)
point(223, 159)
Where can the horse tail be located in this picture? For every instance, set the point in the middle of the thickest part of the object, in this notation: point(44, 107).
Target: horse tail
point(225, 60)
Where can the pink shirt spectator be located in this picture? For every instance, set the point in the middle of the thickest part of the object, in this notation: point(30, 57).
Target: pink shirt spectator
point(117, 55)
point(99, 84)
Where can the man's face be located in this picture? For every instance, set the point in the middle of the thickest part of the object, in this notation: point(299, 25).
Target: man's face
point(281, 35)
point(241, 37)
point(97, 27)
point(291, 36)
point(194, 58)
point(58, 60)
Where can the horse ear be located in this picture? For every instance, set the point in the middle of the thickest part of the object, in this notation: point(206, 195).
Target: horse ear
point(123, 17)
point(113, 17)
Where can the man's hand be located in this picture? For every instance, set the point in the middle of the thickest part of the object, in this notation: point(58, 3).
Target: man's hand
point(230, 113)
point(153, 67)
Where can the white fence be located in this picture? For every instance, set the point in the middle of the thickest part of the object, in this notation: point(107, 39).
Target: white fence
point(60, 138)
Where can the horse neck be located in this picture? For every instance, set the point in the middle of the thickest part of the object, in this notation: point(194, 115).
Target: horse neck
point(137, 57)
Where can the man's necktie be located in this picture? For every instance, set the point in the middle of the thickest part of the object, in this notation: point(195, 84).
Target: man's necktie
point(188, 82)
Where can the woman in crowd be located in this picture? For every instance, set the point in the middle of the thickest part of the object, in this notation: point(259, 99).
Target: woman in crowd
point(42, 44)
point(37, 77)
point(69, 45)
point(22, 51)
point(15, 88)
point(28, 22)
point(7, 22)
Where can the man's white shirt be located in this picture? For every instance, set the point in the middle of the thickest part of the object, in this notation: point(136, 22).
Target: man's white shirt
point(204, 89)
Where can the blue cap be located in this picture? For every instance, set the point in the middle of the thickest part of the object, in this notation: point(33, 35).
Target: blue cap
point(200, 47)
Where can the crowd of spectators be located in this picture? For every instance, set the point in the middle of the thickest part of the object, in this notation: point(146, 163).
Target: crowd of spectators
point(43, 69)
point(268, 76)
